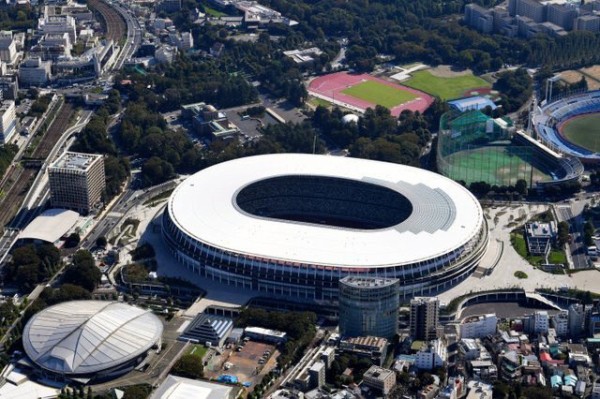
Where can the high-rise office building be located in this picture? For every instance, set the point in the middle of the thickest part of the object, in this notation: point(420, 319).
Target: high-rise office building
point(8, 121)
point(369, 306)
point(424, 318)
point(77, 181)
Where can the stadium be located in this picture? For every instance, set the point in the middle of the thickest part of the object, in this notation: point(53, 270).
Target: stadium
point(90, 341)
point(570, 126)
point(360, 91)
point(473, 147)
point(293, 225)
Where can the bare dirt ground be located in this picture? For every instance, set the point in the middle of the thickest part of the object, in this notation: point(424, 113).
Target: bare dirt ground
point(245, 364)
point(447, 71)
point(592, 75)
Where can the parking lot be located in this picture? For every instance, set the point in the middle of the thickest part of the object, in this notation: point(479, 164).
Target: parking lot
point(250, 364)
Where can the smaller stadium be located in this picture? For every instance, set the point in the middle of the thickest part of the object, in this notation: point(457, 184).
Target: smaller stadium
point(571, 126)
point(358, 92)
point(90, 341)
point(473, 147)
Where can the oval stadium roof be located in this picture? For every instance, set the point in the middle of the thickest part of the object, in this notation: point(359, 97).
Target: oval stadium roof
point(445, 215)
point(84, 337)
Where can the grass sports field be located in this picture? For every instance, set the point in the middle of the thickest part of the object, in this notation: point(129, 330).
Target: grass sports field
point(379, 93)
point(494, 164)
point(583, 131)
point(445, 88)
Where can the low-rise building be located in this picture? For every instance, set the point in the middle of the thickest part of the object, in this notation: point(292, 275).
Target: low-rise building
point(34, 72)
point(374, 348)
point(264, 334)
point(208, 329)
point(539, 237)
point(432, 356)
point(380, 379)
point(478, 326)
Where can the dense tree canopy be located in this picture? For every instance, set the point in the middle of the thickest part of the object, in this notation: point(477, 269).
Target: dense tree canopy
point(83, 271)
point(31, 264)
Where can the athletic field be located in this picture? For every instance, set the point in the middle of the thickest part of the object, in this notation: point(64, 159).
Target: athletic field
point(447, 88)
point(361, 91)
point(379, 93)
point(497, 165)
point(583, 131)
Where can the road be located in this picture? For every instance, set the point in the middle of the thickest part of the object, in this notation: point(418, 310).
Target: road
point(577, 247)
point(129, 200)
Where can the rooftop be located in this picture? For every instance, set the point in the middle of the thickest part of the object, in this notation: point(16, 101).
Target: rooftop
point(444, 217)
point(368, 282)
point(75, 161)
point(50, 226)
point(85, 337)
point(184, 388)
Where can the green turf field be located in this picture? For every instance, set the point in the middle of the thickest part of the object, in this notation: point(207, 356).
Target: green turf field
point(197, 350)
point(495, 164)
point(445, 88)
point(379, 93)
point(584, 131)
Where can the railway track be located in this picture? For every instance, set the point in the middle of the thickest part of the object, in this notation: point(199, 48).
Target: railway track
point(58, 127)
point(17, 185)
point(114, 24)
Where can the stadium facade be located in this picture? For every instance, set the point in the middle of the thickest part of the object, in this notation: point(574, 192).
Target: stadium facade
point(90, 341)
point(293, 225)
point(549, 118)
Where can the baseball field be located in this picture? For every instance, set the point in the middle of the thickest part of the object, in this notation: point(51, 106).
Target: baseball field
point(447, 88)
point(583, 131)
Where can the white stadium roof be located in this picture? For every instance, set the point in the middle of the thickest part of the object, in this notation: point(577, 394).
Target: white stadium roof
point(50, 226)
point(184, 388)
point(445, 215)
point(82, 337)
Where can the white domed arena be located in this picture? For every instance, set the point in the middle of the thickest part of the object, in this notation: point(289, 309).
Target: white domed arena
point(90, 341)
point(293, 225)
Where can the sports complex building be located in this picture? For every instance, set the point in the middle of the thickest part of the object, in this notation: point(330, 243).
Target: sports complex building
point(571, 126)
point(473, 147)
point(90, 341)
point(293, 225)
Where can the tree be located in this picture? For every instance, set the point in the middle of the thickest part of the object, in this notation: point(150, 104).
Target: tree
point(83, 272)
point(188, 366)
point(521, 187)
point(562, 234)
point(101, 242)
point(72, 240)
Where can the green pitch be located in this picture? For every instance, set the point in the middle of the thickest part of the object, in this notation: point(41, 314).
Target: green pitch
point(584, 131)
point(445, 88)
point(496, 165)
point(379, 93)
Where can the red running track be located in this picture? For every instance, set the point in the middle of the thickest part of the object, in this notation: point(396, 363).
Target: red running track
point(332, 85)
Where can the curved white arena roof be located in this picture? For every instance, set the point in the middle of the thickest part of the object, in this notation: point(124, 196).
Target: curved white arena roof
point(50, 225)
point(445, 215)
point(82, 337)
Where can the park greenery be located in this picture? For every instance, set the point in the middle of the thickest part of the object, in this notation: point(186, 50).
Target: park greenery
point(520, 274)
point(7, 153)
point(83, 271)
point(188, 366)
point(95, 138)
point(18, 17)
point(30, 265)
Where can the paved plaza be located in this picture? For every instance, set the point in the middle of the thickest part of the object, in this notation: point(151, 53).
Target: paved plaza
point(501, 257)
